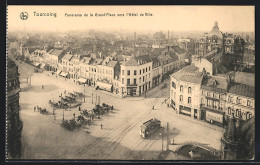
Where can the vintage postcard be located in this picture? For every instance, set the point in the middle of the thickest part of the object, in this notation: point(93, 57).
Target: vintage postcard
point(130, 82)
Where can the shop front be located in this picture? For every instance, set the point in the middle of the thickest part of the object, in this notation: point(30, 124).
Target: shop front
point(185, 110)
point(131, 91)
point(214, 117)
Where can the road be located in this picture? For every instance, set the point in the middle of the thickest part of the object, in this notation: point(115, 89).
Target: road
point(44, 138)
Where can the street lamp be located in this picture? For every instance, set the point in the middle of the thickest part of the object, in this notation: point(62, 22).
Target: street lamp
point(63, 115)
point(84, 94)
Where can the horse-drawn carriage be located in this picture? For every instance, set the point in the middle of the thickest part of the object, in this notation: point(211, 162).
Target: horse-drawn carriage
point(59, 104)
point(42, 110)
point(70, 124)
point(107, 107)
point(83, 120)
point(78, 94)
point(68, 99)
point(88, 113)
point(72, 94)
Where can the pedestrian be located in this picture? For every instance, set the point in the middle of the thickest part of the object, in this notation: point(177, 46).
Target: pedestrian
point(101, 125)
point(153, 107)
point(79, 108)
point(34, 108)
point(65, 92)
point(61, 94)
point(168, 105)
point(112, 107)
point(42, 86)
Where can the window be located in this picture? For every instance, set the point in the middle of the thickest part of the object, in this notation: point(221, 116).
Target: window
point(123, 72)
point(248, 115)
point(181, 88)
point(238, 113)
point(189, 90)
point(181, 98)
point(140, 71)
point(238, 100)
point(135, 72)
point(143, 78)
point(143, 70)
point(149, 68)
point(149, 75)
point(128, 81)
point(135, 81)
point(128, 72)
point(140, 79)
point(249, 103)
point(189, 100)
point(123, 81)
point(230, 98)
point(146, 69)
point(208, 94)
point(173, 85)
point(229, 110)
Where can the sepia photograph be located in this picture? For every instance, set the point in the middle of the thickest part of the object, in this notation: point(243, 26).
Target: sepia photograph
point(130, 82)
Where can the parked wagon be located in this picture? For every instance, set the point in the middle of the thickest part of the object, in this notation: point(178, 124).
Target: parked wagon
point(70, 124)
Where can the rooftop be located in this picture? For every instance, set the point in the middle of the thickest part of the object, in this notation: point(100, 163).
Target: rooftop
point(215, 83)
point(189, 74)
point(245, 78)
point(242, 89)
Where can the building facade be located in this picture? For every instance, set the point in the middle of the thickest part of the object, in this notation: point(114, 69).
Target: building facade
point(13, 123)
point(185, 91)
point(136, 75)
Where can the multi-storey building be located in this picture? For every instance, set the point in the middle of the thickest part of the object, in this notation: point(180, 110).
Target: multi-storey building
point(136, 75)
point(66, 65)
point(53, 58)
point(216, 97)
point(185, 91)
point(84, 70)
point(213, 98)
point(13, 123)
point(157, 72)
point(209, 42)
point(240, 99)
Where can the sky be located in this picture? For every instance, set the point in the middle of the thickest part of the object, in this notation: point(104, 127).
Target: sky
point(173, 18)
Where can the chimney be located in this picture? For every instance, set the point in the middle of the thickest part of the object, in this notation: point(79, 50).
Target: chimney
point(204, 72)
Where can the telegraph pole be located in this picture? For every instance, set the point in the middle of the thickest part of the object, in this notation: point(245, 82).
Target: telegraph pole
point(92, 98)
point(167, 147)
point(98, 100)
point(84, 94)
point(162, 137)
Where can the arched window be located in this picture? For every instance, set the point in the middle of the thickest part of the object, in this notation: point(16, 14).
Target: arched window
point(181, 88)
point(189, 100)
point(181, 98)
point(189, 90)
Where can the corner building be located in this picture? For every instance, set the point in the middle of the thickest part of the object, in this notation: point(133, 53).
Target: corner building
point(136, 75)
point(185, 91)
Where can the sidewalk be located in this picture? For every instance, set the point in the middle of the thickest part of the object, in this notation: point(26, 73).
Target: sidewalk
point(200, 122)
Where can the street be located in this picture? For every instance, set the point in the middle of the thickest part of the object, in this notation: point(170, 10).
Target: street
point(44, 138)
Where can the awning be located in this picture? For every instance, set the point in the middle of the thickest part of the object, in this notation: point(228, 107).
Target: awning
point(103, 85)
point(82, 80)
point(42, 65)
point(58, 71)
point(64, 74)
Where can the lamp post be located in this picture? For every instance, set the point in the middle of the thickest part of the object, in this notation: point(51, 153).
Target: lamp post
point(92, 98)
point(63, 115)
point(84, 94)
